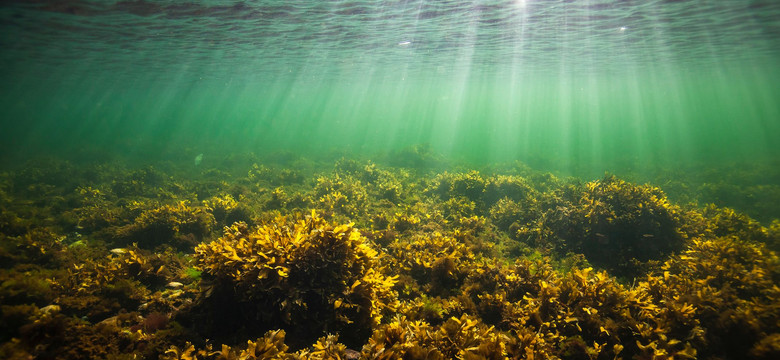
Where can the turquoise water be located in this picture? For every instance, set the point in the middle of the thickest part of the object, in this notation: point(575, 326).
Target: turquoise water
point(591, 86)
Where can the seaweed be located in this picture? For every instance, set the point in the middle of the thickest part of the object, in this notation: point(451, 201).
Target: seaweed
point(304, 276)
point(617, 225)
point(111, 261)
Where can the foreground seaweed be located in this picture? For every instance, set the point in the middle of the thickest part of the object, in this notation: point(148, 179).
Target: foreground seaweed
point(107, 261)
point(306, 276)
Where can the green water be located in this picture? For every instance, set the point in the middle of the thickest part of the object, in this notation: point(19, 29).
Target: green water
point(572, 179)
point(581, 86)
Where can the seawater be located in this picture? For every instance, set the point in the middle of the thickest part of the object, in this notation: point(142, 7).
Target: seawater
point(583, 86)
point(176, 171)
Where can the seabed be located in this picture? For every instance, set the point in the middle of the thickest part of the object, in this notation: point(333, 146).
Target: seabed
point(405, 257)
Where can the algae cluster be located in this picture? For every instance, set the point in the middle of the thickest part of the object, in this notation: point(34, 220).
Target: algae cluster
point(290, 258)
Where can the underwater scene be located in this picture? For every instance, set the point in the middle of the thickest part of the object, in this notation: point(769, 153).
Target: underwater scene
point(397, 179)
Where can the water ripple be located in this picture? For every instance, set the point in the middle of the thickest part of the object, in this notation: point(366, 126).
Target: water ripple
point(274, 37)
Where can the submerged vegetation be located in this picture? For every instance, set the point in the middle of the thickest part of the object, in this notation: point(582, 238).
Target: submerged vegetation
point(287, 258)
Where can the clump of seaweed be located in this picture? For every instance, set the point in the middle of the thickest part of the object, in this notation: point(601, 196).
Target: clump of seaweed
point(270, 346)
point(304, 276)
point(458, 207)
point(617, 225)
point(512, 187)
point(406, 219)
point(470, 185)
point(482, 192)
point(342, 195)
point(179, 225)
point(509, 215)
point(464, 337)
point(227, 210)
point(436, 263)
point(729, 285)
point(97, 210)
point(584, 314)
point(724, 221)
point(380, 183)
